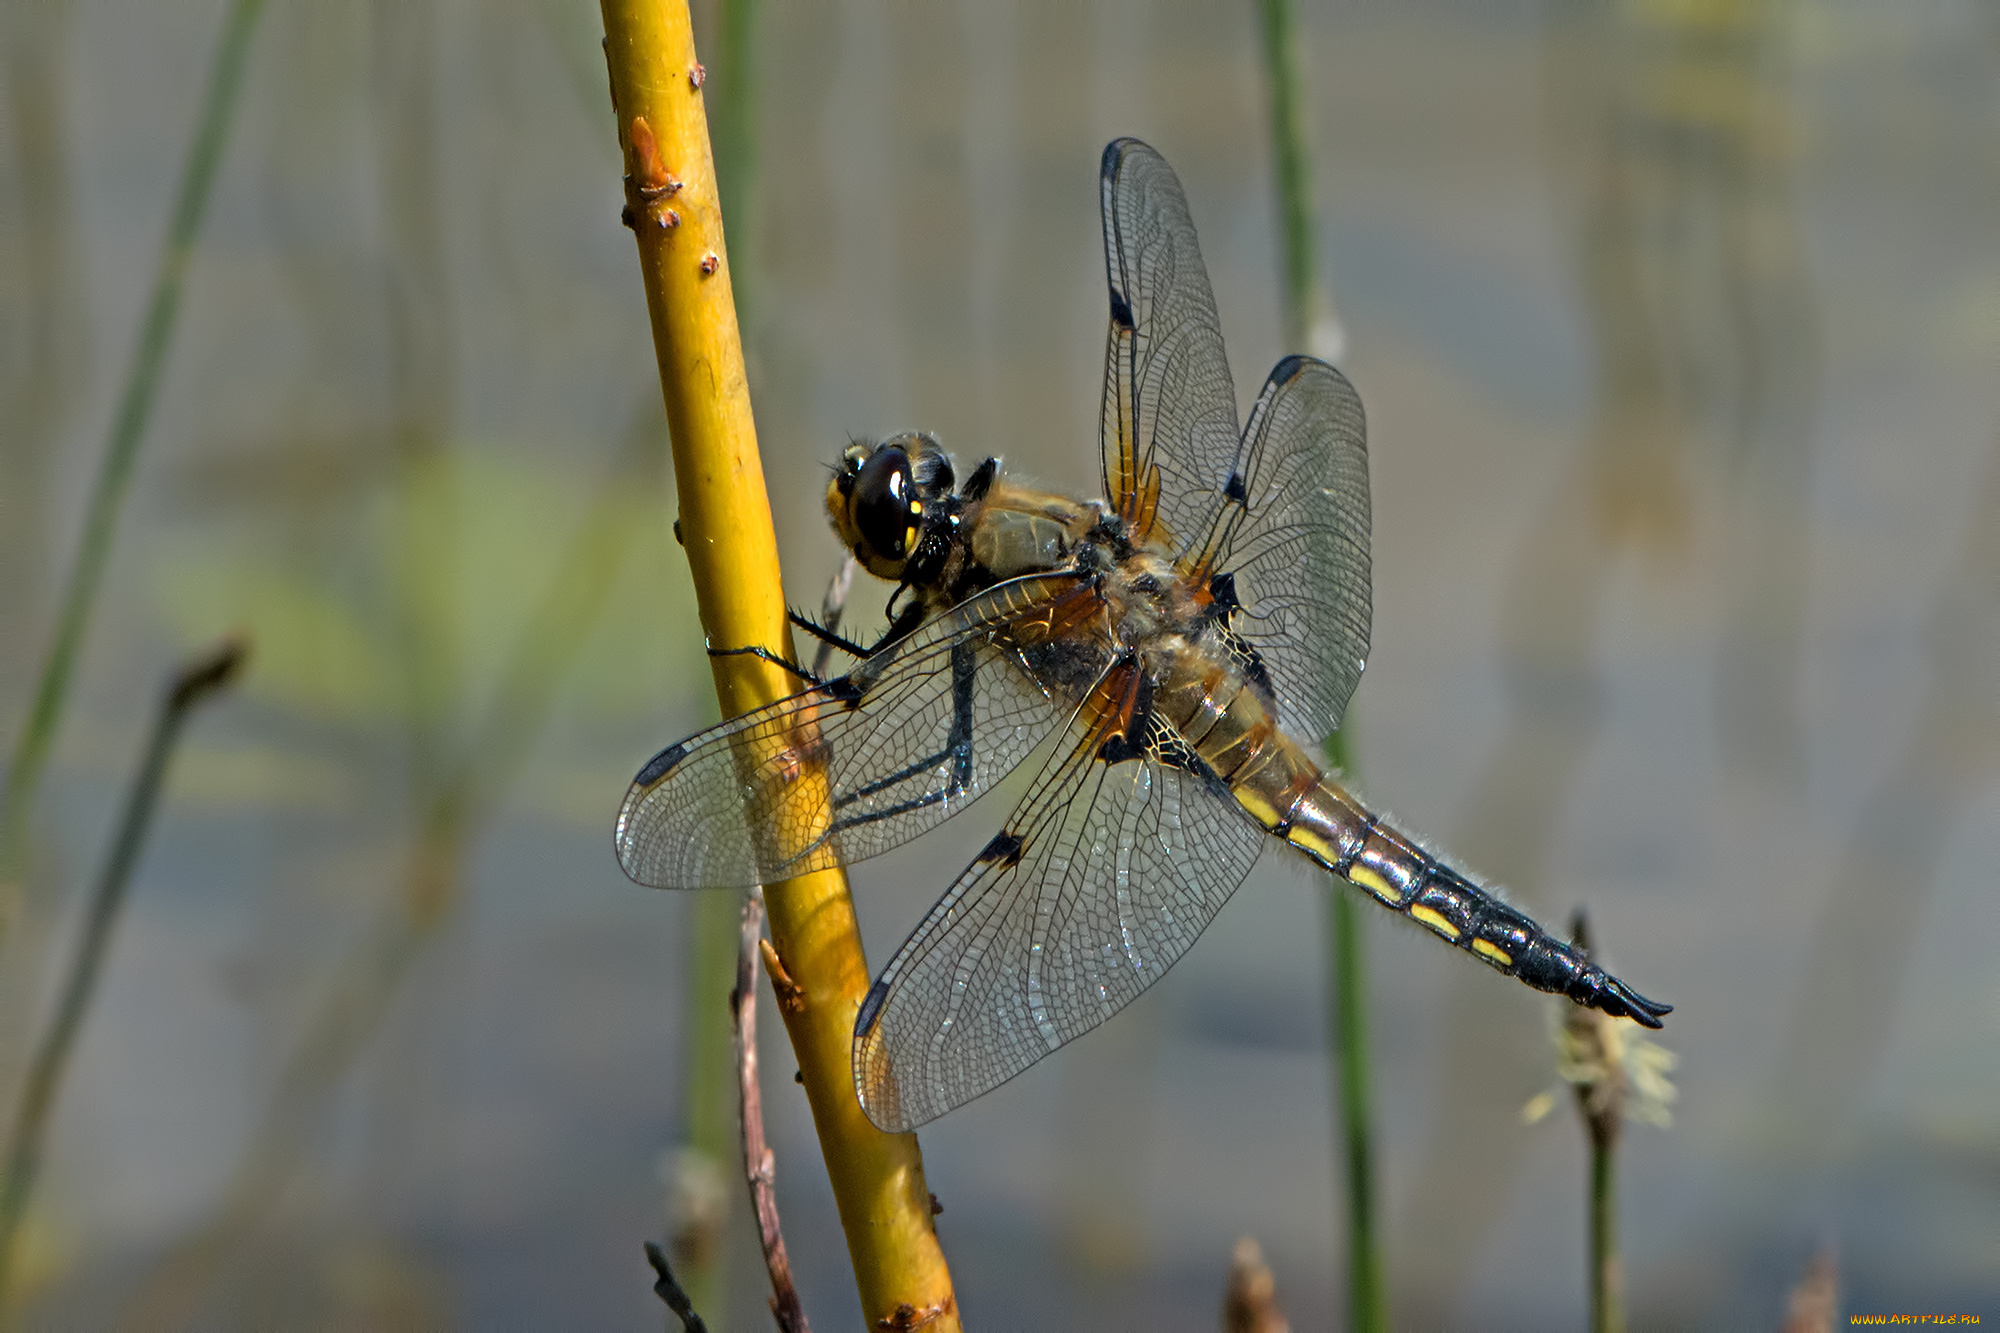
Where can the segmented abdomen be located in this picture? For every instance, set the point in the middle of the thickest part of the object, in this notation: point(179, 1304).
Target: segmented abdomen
point(1227, 722)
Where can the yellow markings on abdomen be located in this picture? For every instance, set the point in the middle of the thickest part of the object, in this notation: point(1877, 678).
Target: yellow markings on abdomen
point(1435, 921)
point(1259, 805)
point(1310, 842)
point(1375, 884)
point(1325, 824)
point(1313, 814)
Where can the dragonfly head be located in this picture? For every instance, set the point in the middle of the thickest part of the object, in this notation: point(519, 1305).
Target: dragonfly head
point(883, 496)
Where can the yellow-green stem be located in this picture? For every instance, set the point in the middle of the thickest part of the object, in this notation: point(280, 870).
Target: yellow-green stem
point(674, 210)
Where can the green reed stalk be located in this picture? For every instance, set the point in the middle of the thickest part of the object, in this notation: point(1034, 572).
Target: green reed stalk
point(1293, 167)
point(1367, 1298)
point(733, 95)
point(1593, 1063)
point(1309, 326)
point(194, 683)
point(135, 408)
point(1607, 1297)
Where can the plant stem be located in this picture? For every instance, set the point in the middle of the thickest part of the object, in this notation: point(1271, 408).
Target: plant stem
point(708, 1089)
point(1366, 1297)
point(31, 752)
point(1599, 1083)
point(735, 100)
point(1309, 324)
point(1607, 1296)
point(192, 685)
point(671, 202)
point(759, 1164)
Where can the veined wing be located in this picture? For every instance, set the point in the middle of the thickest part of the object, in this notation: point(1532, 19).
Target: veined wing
point(909, 738)
point(1169, 435)
point(1293, 536)
point(1103, 877)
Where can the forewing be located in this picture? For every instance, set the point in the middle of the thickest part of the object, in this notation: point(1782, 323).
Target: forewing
point(909, 738)
point(1103, 877)
point(1294, 540)
point(1169, 434)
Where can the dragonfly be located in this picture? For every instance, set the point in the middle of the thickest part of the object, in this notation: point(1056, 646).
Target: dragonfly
point(1171, 654)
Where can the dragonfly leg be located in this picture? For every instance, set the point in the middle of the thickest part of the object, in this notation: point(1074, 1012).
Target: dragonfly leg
point(827, 636)
point(957, 751)
point(906, 621)
point(765, 654)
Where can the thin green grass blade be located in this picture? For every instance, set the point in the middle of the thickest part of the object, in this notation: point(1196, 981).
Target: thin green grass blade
point(135, 409)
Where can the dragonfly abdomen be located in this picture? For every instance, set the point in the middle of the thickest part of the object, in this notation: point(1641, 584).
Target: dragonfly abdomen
point(1228, 724)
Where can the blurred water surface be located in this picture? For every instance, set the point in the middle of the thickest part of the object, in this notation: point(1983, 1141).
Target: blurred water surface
point(1676, 321)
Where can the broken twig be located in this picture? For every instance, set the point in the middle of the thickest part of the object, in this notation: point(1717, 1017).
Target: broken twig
point(668, 1290)
point(195, 682)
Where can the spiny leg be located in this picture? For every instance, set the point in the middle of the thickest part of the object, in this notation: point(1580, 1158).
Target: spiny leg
point(766, 655)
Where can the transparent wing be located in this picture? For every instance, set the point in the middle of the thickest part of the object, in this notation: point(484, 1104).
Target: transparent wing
point(1293, 536)
point(909, 738)
point(1103, 877)
point(1169, 434)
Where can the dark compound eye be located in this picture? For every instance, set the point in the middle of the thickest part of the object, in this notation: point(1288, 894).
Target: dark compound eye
point(885, 506)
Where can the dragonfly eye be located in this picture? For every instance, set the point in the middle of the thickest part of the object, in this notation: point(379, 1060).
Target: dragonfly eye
point(885, 504)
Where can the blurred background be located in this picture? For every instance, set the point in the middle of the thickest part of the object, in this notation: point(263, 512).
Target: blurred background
point(1677, 322)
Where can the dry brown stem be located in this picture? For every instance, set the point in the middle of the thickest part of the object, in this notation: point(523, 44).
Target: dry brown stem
point(760, 1165)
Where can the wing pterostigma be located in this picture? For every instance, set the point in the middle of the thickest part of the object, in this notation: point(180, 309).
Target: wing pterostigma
point(1168, 434)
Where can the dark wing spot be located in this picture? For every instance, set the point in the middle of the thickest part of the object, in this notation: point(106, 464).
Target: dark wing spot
point(1118, 749)
point(845, 689)
point(870, 1007)
point(1005, 849)
point(1235, 488)
point(1130, 742)
point(1222, 588)
point(658, 766)
point(1121, 310)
